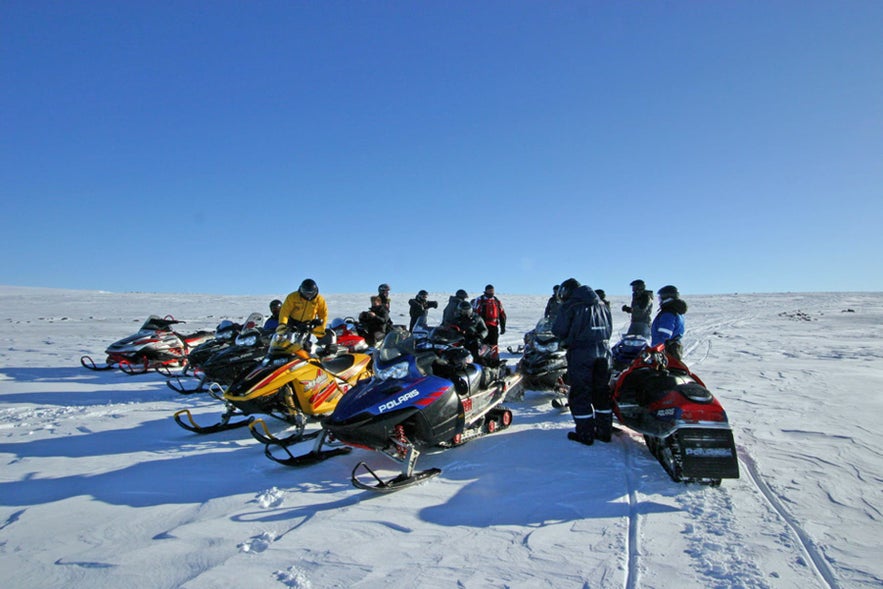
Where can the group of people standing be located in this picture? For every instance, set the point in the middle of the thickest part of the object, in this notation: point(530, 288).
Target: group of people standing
point(583, 322)
point(581, 319)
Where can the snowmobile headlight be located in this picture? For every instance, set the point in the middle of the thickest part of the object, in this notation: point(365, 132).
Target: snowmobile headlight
point(396, 371)
point(547, 347)
point(247, 340)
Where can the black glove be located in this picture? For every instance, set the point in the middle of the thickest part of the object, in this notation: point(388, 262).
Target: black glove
point(432, 304)
point(282, 329)
point(502, 330)
point(626, 309)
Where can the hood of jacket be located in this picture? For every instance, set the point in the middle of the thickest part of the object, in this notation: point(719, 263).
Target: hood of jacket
point(674, 306)
point(583, 295)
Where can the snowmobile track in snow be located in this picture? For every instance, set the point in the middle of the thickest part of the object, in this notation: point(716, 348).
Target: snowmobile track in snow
point(817, 560)
point(632, 552)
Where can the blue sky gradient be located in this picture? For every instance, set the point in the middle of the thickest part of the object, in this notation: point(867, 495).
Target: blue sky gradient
point(239, 147)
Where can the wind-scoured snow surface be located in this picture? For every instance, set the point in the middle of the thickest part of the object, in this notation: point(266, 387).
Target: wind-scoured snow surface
point(99, 488)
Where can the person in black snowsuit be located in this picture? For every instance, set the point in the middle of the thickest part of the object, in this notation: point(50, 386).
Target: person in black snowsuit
point(419, 306)
point(375, 322)
point(584, 326)
point(641, 309)
point(472, 327)
point(383, 293)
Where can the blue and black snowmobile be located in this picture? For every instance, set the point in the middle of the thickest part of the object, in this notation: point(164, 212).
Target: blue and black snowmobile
point(426, 393)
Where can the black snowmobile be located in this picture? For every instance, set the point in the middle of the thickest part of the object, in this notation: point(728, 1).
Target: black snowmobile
point(426, 393)
point(543, 365)
point(684, 425)
point(238, 350)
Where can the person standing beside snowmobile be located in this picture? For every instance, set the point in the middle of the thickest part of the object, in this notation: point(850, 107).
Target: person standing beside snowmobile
point(450, 314)
point(419, 307)
point(553, 304)
point(669, 325)
point(584, 326)
point(641, 309)
point(489, 308)
point(306, 305)
point(273, 322)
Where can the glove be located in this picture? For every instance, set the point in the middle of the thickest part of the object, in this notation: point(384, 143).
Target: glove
point(282, 329)
point(432, 304)
point(502, 330)
point(626, 309)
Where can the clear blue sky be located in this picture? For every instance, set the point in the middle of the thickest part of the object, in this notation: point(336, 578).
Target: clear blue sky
point(239, 147)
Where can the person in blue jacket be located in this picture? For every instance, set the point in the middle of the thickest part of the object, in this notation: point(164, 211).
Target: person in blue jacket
point(273, 321)
point(584, 324)
point(668, 325)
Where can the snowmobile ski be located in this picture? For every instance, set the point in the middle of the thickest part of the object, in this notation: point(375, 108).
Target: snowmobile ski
point(89, 363)
point(223, 425)
point(402, 481)
point(314, 456)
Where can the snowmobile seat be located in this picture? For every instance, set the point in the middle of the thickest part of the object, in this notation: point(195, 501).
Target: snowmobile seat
point(695, 392)
point(424, 361)
point(338, 364)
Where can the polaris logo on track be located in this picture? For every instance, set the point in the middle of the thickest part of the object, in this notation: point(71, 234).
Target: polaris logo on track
point(710, 452)
point(398, 401)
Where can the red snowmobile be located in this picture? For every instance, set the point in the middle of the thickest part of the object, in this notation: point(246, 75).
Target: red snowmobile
point(684, 425)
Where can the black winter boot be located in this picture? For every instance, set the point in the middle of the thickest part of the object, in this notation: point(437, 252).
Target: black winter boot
point(585, 431)
point(603, 424)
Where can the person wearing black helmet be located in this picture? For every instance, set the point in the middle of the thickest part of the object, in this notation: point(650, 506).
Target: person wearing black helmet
point(449, 315)
point(668, 325)
point(383, 293)
point(584, 325)
point(641, 309)
point(471, 325)
point(419, 307)
point(273, 321)
point(305, 305)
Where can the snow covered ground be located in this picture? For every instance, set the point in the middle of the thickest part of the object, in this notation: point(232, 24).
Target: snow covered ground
point(99, 487)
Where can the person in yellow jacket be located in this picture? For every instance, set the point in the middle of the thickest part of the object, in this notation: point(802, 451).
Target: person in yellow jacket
point(305, 304)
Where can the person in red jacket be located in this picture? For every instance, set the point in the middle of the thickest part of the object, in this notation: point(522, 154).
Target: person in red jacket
point(489, 308)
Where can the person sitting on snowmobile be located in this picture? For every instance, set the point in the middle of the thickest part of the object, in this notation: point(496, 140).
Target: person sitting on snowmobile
point(668, 325)
point(471, 326)
point(640, 309)
point(383, 293)
point(306, 305)
point(420, 307)
point(449, 315)
point(375, 322)
point(273, 321)
point(584, 326)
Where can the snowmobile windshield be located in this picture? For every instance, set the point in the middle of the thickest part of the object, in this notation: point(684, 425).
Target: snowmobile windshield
point(544, 325)
point(155, 322)
point(397, 343)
